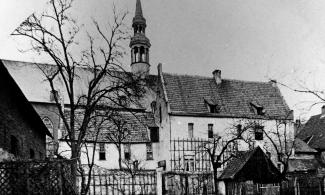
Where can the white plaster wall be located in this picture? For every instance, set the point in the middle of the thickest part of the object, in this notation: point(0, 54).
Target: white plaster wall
point(223, 127)
point(138, 152)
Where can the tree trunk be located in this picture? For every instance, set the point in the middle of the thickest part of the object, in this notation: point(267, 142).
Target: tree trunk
point(119, 157)
point(215, 179)
point(74, 157)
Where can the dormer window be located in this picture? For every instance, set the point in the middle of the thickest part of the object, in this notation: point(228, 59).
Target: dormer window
point(258, 109)
point(212, 106)
point(153, 106)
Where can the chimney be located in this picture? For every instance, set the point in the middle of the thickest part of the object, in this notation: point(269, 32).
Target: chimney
point(217, 76)
point(296, 127)
point(323, 111)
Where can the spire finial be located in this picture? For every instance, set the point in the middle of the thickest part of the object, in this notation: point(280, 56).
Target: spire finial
point(138, 9)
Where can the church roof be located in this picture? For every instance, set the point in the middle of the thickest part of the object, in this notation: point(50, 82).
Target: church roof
point(138, 9)
point(36, 88)
point(313, 132)
point(138, 17)
point(188, 94)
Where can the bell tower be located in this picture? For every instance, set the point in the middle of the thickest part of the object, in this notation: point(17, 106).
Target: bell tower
point(139, 44)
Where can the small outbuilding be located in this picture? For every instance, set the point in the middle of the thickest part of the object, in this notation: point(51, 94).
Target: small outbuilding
point(251, 172)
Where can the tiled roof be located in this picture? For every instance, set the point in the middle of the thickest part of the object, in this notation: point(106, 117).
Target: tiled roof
point(136, 123)
point(251, 165)
point(313, 132)
point(296, 165)
point(189, 94)
point(302, 147)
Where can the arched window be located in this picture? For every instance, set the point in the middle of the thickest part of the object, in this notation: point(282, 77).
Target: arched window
point(136, 52)
point(14, 145)
point(50, 143)
point(142, 54)
point(147, 55)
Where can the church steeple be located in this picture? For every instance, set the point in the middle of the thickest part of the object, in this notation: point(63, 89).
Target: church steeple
point(139, 43)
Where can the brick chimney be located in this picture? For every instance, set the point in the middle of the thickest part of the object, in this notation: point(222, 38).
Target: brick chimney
point(217, 76)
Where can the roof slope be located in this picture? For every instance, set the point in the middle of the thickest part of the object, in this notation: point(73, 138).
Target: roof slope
point(297, 165)
point(313, 132)
point(136, 125)
point(251, 165)
point(22, 103)
point(36, 88)
point(302, 147)
point(186, 94)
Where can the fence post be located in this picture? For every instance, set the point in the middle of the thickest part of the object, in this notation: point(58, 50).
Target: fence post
point(160, 183)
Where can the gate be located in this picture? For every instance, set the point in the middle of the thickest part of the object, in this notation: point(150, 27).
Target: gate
point(187, 183)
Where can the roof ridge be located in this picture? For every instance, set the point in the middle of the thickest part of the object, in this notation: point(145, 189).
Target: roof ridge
point(48, 64)
point(207, 77)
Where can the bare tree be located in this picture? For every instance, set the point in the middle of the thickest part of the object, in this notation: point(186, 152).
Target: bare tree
point(118, 134)
point(98, 68)
point(281, 142)
point(222, 149)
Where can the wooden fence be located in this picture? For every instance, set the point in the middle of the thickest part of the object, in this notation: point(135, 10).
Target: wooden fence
point(36, 177)
point(116, 182)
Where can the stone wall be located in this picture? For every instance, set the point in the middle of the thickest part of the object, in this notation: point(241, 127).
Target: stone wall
point(16, 124)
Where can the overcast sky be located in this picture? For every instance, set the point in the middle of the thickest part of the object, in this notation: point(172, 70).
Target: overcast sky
point(247, 40)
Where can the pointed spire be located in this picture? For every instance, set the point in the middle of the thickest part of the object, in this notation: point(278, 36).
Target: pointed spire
point(138, 9)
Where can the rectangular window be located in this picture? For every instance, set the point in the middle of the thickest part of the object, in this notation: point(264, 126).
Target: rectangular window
point(189, 163)
point(154, 134)
point(259, 132)
point(127, 152)
point(160, 115)
point(149, 151)
point(190, 130)
point(210, 130)
point(102, 151)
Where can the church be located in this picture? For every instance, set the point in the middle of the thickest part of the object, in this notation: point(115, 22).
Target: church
point(176, 116)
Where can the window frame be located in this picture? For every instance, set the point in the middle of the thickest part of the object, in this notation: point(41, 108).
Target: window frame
point(258, 132)
point(127, 150)
point(190, 130)
point(210, 130)
point(149, 151)
point(102, 152)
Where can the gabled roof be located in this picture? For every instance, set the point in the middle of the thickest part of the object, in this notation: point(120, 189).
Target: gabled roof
point(251, 165)
point(188, 94)
point(36, 88)
point(22, 103)
point(313, 132)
